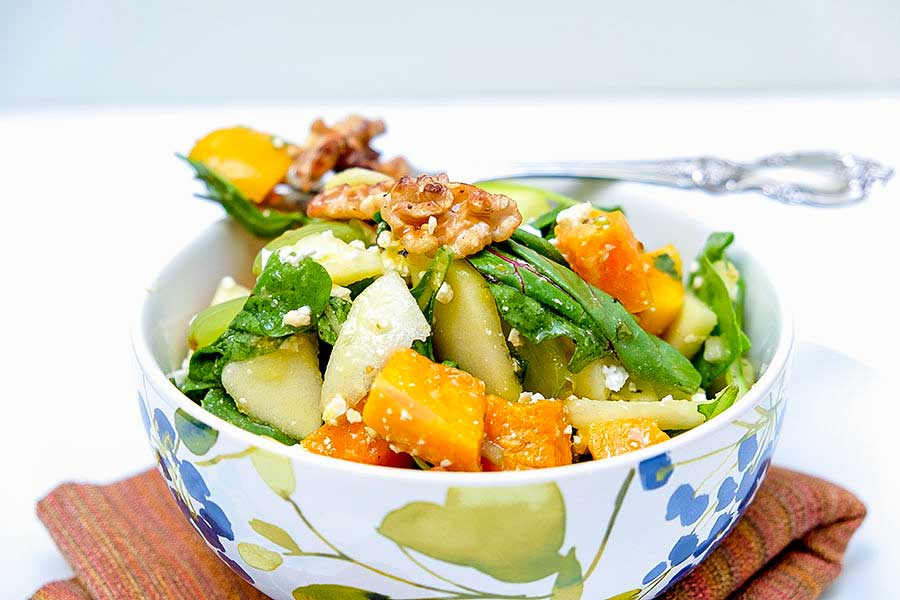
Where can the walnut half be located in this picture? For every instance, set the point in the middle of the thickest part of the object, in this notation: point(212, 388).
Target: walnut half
point(340, 146)
point(346, 201)
point(428, 212)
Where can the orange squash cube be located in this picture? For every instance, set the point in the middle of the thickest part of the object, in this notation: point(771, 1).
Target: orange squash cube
point(249, 159)
point(351, 441)
point(530, 435)
point(602, 249)
point(612, 438)
point(668, 298)
point(429, 410)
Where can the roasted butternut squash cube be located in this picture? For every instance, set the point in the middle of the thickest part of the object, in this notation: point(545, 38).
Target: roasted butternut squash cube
point(251, 160)
point(612, 438)
point(528, 434)
point(668, 298)
point(351, 441)
point(429, 410)
point(602, 249)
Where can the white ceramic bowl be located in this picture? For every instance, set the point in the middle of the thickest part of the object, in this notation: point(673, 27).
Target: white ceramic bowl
point(303, 526)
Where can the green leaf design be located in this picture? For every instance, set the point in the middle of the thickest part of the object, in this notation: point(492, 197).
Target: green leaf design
point(276, 535)
point(569, 584)
point(259, 557)
point(264, 223)
point(276, 471)
point(197, 437)
point(513, 534)
point(629, 595)
point(334, 592)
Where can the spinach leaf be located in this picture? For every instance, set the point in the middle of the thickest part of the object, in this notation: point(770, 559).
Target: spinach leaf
point(710, 287)
point(222, 405)
point(259, 327)
point(536, 323)
point(425, 293)
point(261, 222)
point(664, 263)
point(723, 400)
point(332, 319)
point(643, 354)
point(538, 244)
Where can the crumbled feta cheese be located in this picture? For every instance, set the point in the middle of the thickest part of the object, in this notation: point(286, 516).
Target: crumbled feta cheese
point(667, 398)
point(292, 256)
point(576, 214)
point(298, 317)
point(339, 291)
point(531, 397)
point(700, 396)
point(614, 376)
point(359, 244)
point(353, 416)
point(698, 282)
point(385, 239)
point(444, 293)
point(553, 241)
point(714, 349)
point(335, 407)
point(576, 439)
point(404, 415)
point(446, 463)
point(370, 432)
point(431, 225)
point(515, 338)
point(568, 430)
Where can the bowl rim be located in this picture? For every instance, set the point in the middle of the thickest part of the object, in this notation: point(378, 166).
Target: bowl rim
point(152, 371)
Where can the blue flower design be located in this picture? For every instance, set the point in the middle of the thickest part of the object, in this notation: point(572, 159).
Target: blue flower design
point(145, 418)
point(746, 452)
point(684, 503)
point(684, 547)
point(726, 493)
point(187, 486)
point(719, 527)
point(656, 471)
point(654, 573)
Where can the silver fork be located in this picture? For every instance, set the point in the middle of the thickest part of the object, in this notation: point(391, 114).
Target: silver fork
point(815, 178)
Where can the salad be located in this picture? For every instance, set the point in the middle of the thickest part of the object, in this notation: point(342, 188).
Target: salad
point(412, 321)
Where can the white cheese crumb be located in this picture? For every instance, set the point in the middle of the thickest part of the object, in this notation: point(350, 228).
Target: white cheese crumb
point(531, 397)
point(298, 317)
point(370, 432)
point(404, 415)
point(339, 291)
point(431, 225)
point(359, 244)
point(353, 416)
point(336, 407)
point(444, 293)
point(515, 338)
point(700, 396)
point(576, 214)
point(446, 463)
point(292, 256)
point(385, 239)
point(576, 439)
point(698, 282)
point(615, 376)
point(667, 398)
point(568, 429)
point(553, 241)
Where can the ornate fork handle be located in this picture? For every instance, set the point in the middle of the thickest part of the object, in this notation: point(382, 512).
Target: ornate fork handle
point(814, 178)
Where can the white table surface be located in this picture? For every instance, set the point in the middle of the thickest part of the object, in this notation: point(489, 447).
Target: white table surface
point(94, 202)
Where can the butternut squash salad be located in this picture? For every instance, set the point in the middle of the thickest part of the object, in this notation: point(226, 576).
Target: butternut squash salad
point(415, 322)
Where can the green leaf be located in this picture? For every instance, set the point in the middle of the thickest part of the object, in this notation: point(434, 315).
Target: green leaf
point(724, 399)
point(276, 471)
point(219, 403)
point(664, 263)
point(259, 327)
point(539, 245)
point(568, 584)
point(264, 223)
point(332, 319)
point(425, 293)
point(562, 291)
point(711, 288)
point(259, 557)
point(510, 533)
point(421, 463)
point(276, 535)
point(198, 437)
point(334, 592)
point(537, 324)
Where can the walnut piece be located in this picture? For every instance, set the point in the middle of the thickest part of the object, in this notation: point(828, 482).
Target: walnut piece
point(339, 147)
point(346, 201)
point(429, 212)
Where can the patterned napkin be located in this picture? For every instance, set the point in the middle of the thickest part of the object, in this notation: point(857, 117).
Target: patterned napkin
point(128, 540)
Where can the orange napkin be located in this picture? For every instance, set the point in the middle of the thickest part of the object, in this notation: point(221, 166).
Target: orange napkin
point(128, 540)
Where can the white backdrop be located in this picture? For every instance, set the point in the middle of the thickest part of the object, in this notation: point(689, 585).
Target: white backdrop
point(214, 51)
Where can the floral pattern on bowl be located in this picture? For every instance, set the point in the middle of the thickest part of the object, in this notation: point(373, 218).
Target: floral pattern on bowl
point(478, 542)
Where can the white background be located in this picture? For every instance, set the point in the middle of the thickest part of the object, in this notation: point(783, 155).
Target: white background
point(95, 97)
point(95, 202)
